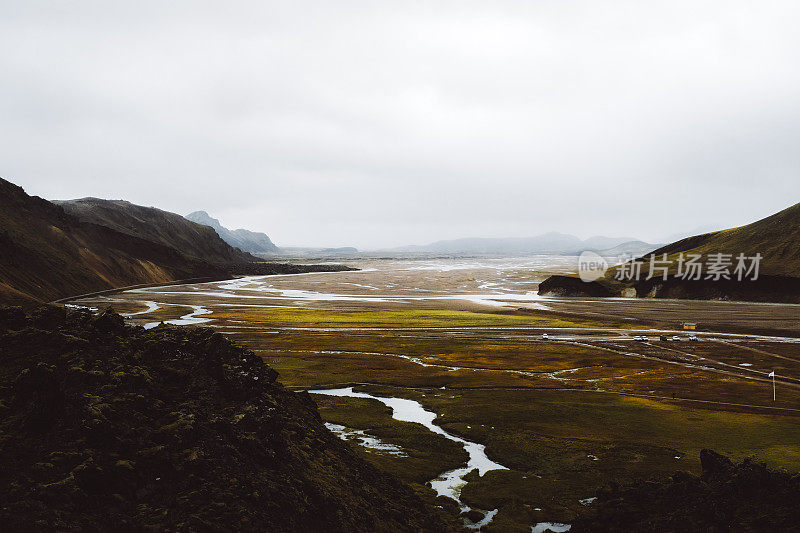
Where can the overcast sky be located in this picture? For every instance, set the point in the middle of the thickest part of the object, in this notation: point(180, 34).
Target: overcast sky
point(378, 124)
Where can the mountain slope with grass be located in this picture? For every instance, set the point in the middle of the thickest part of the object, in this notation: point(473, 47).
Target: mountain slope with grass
point(156, 225)
point(776, 238)
point(105, 427)
point(47, 254)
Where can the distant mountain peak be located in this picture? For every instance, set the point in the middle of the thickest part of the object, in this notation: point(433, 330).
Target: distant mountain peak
point(201, 215)
point(245, 240)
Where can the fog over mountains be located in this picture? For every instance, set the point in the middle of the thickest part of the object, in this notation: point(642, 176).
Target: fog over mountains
point(246, 240)
point(547, 243)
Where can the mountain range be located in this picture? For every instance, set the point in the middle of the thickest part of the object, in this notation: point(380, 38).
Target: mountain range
point(156, 225)
point(246, 240)
point(552, 243)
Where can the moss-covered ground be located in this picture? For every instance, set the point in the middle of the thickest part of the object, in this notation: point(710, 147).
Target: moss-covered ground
point(565, 417)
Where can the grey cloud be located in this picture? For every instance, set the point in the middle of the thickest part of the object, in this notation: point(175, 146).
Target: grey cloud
point(380, 124)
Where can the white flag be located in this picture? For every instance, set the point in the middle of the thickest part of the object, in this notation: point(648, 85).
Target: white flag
point(771, 374)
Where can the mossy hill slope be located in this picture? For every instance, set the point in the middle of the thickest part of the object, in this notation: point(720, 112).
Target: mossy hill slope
point(105, 427)
point(776, 238)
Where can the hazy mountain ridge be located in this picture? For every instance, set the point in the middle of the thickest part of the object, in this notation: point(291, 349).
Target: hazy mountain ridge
point(156, 225)
point(245, 240)
point(547, 243)
point(49, 254)
point(627, 249)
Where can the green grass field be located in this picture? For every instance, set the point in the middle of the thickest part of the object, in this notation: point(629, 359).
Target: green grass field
point(562, 417)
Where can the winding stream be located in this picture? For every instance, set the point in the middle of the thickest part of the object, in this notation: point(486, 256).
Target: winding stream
point(449, 483)
point(187, 319)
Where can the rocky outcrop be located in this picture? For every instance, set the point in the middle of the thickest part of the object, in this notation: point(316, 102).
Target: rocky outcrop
point(105, 427)
point(268, 269)
point(726, 497)
point(571, 286)
point(766, 288)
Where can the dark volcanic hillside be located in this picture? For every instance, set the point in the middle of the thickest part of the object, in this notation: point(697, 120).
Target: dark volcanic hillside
point(113, 427)
point(46, 253)
point(726, 497)
point(158, 226)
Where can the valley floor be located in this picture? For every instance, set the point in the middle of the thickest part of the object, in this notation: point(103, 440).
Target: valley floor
point(564, 415)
